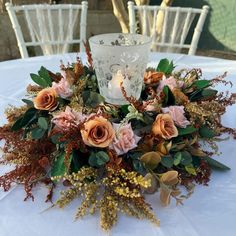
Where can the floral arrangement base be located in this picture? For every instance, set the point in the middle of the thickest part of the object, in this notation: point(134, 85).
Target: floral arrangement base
point(112, 155)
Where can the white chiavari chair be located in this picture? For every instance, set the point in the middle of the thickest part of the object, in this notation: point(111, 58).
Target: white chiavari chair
point(168, 26)
point(50, 27)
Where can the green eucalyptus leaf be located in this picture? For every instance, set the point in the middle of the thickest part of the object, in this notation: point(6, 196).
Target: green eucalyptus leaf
point(177, 158)
point(92, 99)
point(42, 122)
point(216, 164)
point(38, 80)
point(186, 158)
point(92, 159)
point(188, 130)
point(98, 159)
point(37, 133)
point(167, 161)
point(138, 166)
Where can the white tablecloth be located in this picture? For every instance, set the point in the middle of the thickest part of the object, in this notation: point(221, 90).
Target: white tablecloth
point(210, 211)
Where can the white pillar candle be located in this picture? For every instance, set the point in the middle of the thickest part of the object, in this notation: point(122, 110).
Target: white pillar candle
point(114, 86)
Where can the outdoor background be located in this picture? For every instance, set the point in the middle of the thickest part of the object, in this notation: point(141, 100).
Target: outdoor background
point(218, 37)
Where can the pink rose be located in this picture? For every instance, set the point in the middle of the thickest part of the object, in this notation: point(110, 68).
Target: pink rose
point(171, 82)
point(177, 114)
point(63, 88)
point(125, 139)
point(67, 119)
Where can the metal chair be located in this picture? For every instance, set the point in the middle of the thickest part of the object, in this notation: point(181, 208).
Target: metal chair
point(168, 26)
point(50, 27)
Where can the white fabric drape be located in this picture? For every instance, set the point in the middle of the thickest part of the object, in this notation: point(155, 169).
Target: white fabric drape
point(52, 26)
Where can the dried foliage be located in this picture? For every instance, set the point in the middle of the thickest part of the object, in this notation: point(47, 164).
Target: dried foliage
point(118, 190)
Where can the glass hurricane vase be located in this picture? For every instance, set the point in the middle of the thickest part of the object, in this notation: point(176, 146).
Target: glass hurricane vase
point(120, 61)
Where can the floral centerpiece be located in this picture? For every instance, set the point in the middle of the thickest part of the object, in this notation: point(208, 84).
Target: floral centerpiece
point(112, 155)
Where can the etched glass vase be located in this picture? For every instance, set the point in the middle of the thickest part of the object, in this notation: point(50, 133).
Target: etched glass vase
point(120, 61)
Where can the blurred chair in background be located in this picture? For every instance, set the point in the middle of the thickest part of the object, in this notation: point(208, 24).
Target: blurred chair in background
point(168, 26)
point(50, 27)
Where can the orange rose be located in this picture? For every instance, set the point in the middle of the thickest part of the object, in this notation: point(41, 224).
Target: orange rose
point(164, 126)
point(46, 100)
point(98, 132)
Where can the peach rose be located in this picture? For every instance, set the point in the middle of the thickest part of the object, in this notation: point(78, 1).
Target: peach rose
point(177, 114)
point(98, 132)
point(164, 126)
point(46, 99)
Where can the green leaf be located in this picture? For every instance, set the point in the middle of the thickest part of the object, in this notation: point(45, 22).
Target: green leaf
point(138, 166)
point(76, 161)
point(43, 73)
point(124, 109)
point(26, 119)
point(200, 84)
point(59, 168)
point(197, 94)
point(37, 133)
point(151, 160)
point(102, 158)
point(165, 66)
point(28, 102)
point(188, 130)
point(98, 159)
point(209, 93)
point(216, 164)
point(167, 161)
point(206, 132)
point(186, 158)
point(177, 158)
point(202, 93)
point(42, 122)
point(38, 80)
point(92, 99)
point(169, 98)
point(190, 169)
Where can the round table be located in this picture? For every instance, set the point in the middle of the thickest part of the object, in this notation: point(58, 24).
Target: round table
point(210, 210)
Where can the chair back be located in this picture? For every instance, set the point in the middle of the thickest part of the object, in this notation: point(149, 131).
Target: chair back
point(52, 28)
point(168, 26)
